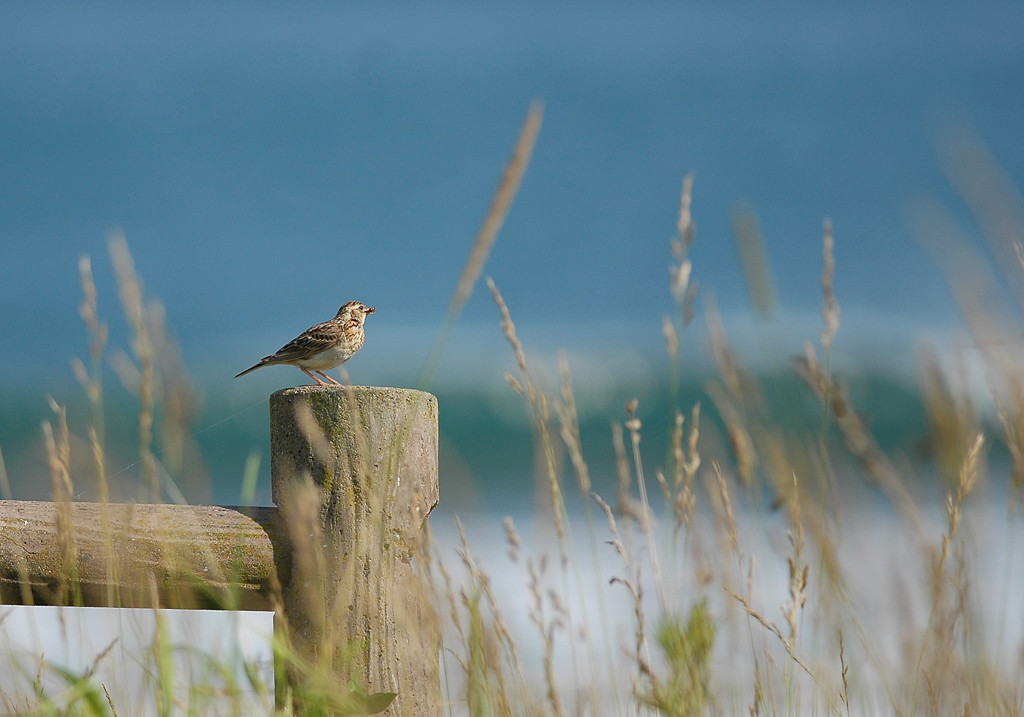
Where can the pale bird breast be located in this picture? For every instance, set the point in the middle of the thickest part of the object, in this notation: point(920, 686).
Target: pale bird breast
point(329, 358)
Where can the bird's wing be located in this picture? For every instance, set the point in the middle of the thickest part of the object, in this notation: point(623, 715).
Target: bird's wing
point(311, 342)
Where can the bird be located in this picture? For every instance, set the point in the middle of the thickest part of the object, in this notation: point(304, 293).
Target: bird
point(322, 347)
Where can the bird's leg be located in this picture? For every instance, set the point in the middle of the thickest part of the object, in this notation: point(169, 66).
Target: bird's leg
point(328, 377)
point(315, 378)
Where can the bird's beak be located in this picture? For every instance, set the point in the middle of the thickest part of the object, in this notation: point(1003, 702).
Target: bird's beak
point(371, 310)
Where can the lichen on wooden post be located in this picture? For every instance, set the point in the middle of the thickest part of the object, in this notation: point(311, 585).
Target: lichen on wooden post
point(354, 474)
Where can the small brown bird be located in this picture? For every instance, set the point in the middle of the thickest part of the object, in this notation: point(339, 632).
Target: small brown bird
point(324, 346)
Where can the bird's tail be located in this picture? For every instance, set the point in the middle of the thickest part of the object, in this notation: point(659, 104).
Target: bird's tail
point(260, 364)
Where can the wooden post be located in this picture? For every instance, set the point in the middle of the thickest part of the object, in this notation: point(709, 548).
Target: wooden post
point(354, 474)
point(129, 555)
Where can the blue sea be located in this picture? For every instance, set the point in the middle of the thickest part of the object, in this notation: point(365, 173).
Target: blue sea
point(267, 163)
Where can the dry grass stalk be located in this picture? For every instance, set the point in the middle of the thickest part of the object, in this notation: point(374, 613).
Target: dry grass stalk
point(727, 363)
point(686, 463)
point(508, 328)
point(441, 587)
point(969, 474)
point(58, 451)
point(491, 647)
point(798, 572)
point(1011, 418)
point(301, 512)
point(506, 192)
point(681, 286)
point(668, 489)
point(953, 418)
point(721, 505)
point(569, 423)
point(772, 628)
point(737, 398)
point(686, 229)
point(668, 330)
point(740, 439)
point(570, 433)
point(856, 435)
point(844, 694)
point(508, 187)
point(993, 326)
point(633, 425)
point(541, 420)
point(789, 646)
point(130, 290)
point(92, 381)
point(692, 462)
point(938, 660)
point(5, 482)
point(989, 192)
point(679, 275)
point(754, 258)
point(632, 583)
point(110, 701)
point(546, 628)
point(180, 405)
point(829, 307)
point(92, 378)
point(625, 505)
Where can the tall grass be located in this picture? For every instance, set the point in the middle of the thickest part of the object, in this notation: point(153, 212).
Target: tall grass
point(733, 576)
point(719, 616)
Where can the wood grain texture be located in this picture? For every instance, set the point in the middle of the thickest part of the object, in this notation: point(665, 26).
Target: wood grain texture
point(124, 555)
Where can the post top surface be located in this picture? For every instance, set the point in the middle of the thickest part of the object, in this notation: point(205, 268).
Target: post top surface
point(340, 390)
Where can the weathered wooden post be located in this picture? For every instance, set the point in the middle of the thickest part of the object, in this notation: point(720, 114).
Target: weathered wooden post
point(354, 474)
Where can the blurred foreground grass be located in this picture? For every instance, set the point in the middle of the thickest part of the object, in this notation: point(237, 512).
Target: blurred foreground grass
point(780, 559)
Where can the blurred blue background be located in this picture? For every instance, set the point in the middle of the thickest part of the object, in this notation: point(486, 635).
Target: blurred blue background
point(269, 162)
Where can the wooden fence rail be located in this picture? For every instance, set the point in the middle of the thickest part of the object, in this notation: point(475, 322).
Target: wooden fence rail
point(354, 477)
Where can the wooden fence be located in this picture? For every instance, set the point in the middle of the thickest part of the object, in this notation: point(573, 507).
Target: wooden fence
point(354, 477)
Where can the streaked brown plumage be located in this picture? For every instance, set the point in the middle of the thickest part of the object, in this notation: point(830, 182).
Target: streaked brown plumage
point(324, 346)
